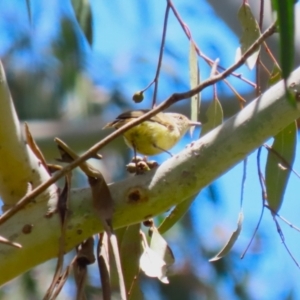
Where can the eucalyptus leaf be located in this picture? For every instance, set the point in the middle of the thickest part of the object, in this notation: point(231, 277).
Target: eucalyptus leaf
point(276, 75)
point(251, 33)
point(286, 20)
point(233, 238)
point(214, 116)
point(278, 171)
point(159, 245)
point(153, 265)
point(175, 215)
point(130, 251)
point(83, 12)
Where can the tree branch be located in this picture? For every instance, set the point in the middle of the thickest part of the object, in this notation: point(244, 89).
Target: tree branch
point(140, 197)
point(171, 100)
point(20, 169)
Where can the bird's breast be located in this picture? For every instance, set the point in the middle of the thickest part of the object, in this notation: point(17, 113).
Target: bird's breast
point(148, 137)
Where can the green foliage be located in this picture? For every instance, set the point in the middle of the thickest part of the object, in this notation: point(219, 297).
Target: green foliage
point(251, 33)
point(279, 163)
point(276, 75)
point(286, 25)
point(130, 250)
point(214, 116)
point(175, 215)
point(233, 238)
point(285, 19)
point(66, 50)
point(83, 12)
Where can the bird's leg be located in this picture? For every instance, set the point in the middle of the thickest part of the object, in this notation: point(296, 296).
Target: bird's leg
point(138, 164)
point(155, 146)
point(135, 159)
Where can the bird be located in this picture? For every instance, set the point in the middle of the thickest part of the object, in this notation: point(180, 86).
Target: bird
point(157, 134)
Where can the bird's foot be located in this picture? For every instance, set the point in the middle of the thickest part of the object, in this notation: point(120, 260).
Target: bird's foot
point(139, 165)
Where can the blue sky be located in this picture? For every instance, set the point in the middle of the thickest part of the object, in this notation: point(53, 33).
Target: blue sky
point(126, 43)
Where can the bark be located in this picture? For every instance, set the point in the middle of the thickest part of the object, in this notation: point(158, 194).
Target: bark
point(140, 197)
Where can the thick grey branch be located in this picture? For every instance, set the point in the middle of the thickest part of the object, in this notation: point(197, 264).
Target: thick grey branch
point(141, 197)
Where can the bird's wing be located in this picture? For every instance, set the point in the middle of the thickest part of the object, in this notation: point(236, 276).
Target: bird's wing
point(160, 118)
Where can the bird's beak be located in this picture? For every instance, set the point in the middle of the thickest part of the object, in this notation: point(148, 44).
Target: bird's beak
point(191, 123)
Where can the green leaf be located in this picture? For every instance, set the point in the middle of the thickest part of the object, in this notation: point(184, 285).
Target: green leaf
point(175, 215)
point(277, 171)
point(251, 33)
point(276, 75)
point(83, 14)
point(159, 245)
point(194, 81)
point(228, 246)
point(214, 116)
point(153, 265)
point(285, 19)
point(130, 256)
point(67, 48)
point(157, 258)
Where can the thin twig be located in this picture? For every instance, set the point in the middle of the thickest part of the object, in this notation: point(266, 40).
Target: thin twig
point(265, 68)
point(243, 181)
point(283, 160)
point(161, 52)
point(171, 100)
point(267, 49)
point(189, 36)
point(282, 218)
point(241, 100)
point(263, 195)
point(283, 241)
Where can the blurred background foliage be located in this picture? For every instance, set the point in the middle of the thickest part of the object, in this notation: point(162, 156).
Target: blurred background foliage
point(68, 80)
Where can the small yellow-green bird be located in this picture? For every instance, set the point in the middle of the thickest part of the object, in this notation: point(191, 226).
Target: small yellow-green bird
point(155, 135)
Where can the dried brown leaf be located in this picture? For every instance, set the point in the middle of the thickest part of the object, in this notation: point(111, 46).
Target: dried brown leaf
point(104, 265)
point(34, 147)
point(62, 208)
